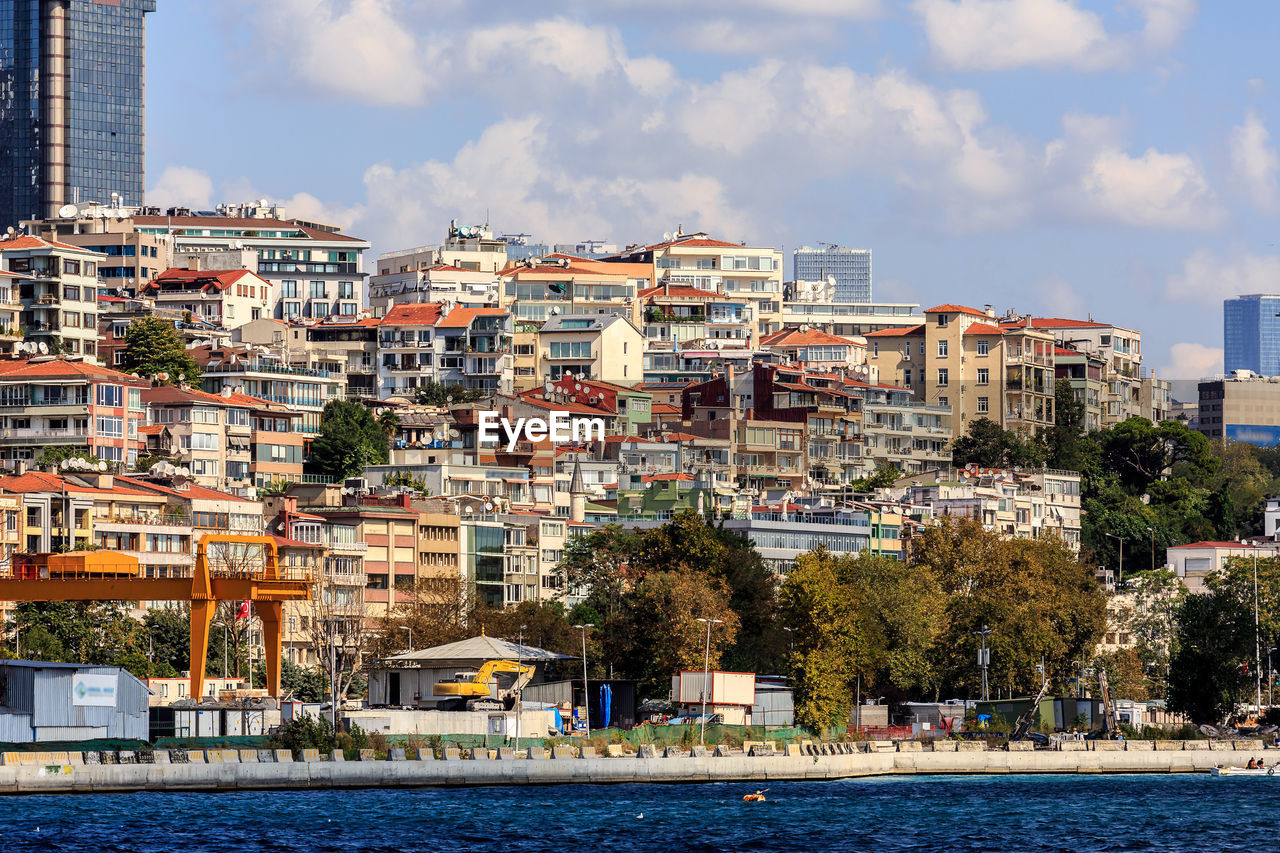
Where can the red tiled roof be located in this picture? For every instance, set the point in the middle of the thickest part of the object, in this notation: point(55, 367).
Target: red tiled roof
point(413, 314)
point(59, 368)
point(175, 394)
point(41, 481)
point(282, 542)
point(948, 308)
point(191, 490)
point(1055, 323)
point(151, 429)
point(702, 242)
point(25, 241)
point(246, 224)
point(982, 329)
point(460, 318)
point(666, 409)
point(1236, 545)
point(219, 279)
point(682, 290)
point(667, 478)
point(896, 333)
point(812, 337)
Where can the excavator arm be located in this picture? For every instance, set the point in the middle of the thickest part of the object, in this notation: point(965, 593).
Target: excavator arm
point(478, 685)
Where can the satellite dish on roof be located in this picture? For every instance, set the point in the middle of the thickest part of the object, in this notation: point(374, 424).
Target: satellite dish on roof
point(44, 348)
point(64, 464)
point(666, 235)
point(102, 466)
point(67, 211)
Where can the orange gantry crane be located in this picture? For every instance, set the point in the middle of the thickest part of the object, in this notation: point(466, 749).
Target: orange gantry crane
point(112, 576)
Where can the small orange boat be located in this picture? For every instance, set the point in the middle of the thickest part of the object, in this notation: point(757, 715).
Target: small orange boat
point(757, 797)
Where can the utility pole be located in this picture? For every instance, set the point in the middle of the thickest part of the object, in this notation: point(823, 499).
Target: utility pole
point(1120, 571)
point(1257, 639)
point(706, 677)
point(586, 696)
point(984, 657)
point(519, 675)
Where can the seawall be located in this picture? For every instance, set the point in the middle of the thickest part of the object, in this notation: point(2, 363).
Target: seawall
point(246, 770)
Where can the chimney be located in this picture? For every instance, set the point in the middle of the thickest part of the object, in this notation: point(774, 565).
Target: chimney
point(20, 466)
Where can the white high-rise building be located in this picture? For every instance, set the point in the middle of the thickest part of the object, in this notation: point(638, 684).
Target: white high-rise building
point(851, 269)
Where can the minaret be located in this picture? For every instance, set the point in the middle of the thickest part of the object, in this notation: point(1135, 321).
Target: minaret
point(577, 494)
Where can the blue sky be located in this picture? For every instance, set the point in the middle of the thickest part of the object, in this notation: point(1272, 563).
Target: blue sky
point(1062, 157)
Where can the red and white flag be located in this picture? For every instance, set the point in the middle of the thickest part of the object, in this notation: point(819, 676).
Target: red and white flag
point(243, 612)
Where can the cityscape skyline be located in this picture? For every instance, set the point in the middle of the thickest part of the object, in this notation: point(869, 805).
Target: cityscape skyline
point(1121, 188)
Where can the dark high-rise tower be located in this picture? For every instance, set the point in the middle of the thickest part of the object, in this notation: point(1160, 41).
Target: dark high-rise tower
point(71, 104)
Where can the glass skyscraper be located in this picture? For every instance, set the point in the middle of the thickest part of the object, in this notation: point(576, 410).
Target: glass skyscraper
point(851, 269)
point(1251, 334)
point(72, 113)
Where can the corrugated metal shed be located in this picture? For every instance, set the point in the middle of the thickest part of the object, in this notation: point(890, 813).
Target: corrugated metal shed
point(36, 704)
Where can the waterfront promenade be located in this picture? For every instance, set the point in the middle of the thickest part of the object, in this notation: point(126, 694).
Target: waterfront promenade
point(242, 770)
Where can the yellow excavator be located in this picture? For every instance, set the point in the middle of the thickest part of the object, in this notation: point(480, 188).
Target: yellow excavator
point(472, 688)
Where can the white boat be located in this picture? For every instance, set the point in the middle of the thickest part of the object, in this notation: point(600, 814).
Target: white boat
point(1242, 771)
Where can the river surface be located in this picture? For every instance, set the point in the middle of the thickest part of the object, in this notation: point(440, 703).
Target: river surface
point(990, 813)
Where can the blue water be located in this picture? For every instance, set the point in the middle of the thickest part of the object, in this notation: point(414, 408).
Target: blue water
point(1015, 813)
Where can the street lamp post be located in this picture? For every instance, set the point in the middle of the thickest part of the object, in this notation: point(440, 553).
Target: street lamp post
point(1271, 678)
point(1153, 548)
point(706, 676)
point(410, 630)
point(520, 692)
point(1120, 570)
point(791, 639)
point(586, 696)
point(984, 657)
point(1257, 637)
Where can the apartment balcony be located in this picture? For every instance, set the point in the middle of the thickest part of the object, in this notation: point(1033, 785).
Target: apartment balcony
point(42, 436)
point(73, 405)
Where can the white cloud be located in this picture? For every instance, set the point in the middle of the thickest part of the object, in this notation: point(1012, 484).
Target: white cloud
point(512, 169)
point(180, 186)
point(1208, 277)
point(1254, 162)
point(830, 9)
point(358, 49)
point(1154, 190)
point(1192, 361)
point(996, 35)
point(1059, 298)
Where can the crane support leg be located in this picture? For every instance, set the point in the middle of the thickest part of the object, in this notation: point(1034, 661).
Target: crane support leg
point(271, 613)
point(201, 617)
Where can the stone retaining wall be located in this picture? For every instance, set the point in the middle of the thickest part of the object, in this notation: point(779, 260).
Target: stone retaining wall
point(221, 770)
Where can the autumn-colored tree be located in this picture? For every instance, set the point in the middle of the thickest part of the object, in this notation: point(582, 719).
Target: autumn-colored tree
point(1039, 600)
point(866, 617)
point(1126, 677)
point(437, 614)
point(600, 566)
point(657, 634)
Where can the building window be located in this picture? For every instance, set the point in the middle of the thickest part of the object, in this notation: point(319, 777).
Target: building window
point(942, 376)
point(983, 405)
point(875, 347)
point(983, 346)
point(984, 376)
point(317, 290)
point(346, 289)
point(942, 321)
point(289, 289)
point(942, 349)
point(906, 377)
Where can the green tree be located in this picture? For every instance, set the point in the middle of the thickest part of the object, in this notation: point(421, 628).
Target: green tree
point(989, 445)
point(1213, 647)
point(601, 565)
point(168, 631)
point(152, 346)
point(1142, 453)
point(883, 478)
point(436, 394)
point(302, 683)
point(94, 632)
point(349, 440)
point(1066, 444)
point(389, 423)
